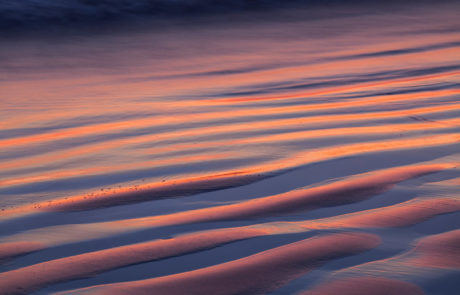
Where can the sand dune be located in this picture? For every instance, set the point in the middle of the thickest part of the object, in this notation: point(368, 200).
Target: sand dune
point(83, 265)
point(285, 137)
point(12, 249)
point(430, 258)
point(237, 178)
point(440, 251)
point(37, 276)
point(255, 274)
point(366, 285)
point(342, 192)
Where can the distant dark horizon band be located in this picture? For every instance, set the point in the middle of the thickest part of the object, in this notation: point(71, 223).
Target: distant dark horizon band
point(49, 16)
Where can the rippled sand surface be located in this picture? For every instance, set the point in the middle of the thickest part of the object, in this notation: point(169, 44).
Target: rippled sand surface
point(310, 150)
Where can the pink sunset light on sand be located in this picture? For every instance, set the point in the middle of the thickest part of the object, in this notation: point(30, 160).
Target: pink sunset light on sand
point(229, 147)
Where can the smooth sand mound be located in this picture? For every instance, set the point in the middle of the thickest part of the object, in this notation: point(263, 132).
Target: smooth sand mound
point(83, 265)
point(346, 191)
point(202, 184)
point(439, 251)
point(12, 249)
point(256, 274)
point(366, 285)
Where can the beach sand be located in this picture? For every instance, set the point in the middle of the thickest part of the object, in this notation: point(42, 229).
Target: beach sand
point(290, 149)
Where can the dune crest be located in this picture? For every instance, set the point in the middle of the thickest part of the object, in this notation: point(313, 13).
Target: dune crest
point(354, 189)
point(365, 285)
point(153, 146)
point(256, 274)
point(83, 265)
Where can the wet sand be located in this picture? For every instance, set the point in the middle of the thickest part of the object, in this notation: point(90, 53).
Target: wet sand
point(284, 151)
